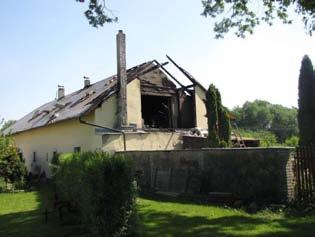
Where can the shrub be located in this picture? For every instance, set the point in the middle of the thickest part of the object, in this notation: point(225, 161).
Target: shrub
point(266, 138)
point(102, 187)
point(12, 167)
point(219, 127)
point(292, 141)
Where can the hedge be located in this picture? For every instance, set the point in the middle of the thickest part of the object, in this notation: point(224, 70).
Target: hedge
point(102, 187)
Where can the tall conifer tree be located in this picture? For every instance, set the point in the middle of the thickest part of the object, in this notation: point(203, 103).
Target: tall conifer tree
point(306, 111)
point(212, 115)
point(225, 128)
point(219, 129)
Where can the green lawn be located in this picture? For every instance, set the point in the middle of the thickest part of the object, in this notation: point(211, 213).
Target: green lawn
point(21, 214)
point(164, 218)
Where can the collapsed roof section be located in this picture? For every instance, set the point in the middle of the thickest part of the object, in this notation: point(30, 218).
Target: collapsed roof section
point(87, 99)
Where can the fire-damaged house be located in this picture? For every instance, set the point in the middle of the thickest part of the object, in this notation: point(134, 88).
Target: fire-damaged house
point(142, 108)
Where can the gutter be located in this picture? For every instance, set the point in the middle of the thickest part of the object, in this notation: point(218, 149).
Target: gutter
point(111, 129)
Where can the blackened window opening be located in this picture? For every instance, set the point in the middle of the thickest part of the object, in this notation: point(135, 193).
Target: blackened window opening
point(156, 111)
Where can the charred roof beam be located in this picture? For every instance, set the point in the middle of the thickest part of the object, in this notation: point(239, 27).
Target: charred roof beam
point(187, 74)
point(174, 78)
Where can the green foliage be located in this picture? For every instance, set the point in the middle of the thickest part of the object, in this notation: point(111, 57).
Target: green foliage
point(262, 115)
point(212, 116)
point(292, 141)
point(266, 138)
point(306, 112)
point(6, 124)
point(12, 168)
point(225, 128)
point(2, 185)
point(19, 216)
point(284, 122)
point(219, 128)
point(102, 187)
point(97, 13)
point(244, 16)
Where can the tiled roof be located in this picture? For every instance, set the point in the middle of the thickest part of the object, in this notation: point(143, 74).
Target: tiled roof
point(76, 104)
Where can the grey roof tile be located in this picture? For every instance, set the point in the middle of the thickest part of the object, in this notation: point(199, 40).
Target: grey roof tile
point(76, 104)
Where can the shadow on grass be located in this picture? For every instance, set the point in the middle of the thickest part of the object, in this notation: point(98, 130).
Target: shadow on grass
point(159, 222)
point(32, 223)
point(170, 224)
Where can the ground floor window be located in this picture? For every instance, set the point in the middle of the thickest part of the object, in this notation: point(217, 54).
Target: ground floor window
point(34, 156)
point(76, 149)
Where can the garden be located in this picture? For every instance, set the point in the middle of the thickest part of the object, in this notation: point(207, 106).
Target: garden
point(23, 214)
point(94, 194)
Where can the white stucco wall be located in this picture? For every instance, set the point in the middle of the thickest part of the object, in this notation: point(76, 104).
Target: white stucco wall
point(138, 141)
point(60, 137)
point(201, 111)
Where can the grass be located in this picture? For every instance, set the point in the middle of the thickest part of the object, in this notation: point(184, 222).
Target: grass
point(21, 214)
point(170, 219)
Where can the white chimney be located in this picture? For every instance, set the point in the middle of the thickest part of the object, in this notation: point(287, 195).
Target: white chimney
point(122, 78)
point(87, 82)
point(61, 92)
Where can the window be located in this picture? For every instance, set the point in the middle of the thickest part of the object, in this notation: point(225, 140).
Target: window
point(76, 149)
point(156, 111)
point(34, 156)
point(20, 156)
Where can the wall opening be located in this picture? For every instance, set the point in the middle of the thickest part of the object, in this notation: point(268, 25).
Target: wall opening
point(77, 149)
point(187, 114)
point(156, 111)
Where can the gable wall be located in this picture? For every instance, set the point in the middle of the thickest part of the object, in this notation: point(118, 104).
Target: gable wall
point(106, 114)
point(134, 103)
point(201, 111)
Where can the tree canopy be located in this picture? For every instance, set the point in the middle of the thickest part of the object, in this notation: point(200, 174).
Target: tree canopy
point(262, 115)
point(97, 13)
point(242, 16)
point(6, 124)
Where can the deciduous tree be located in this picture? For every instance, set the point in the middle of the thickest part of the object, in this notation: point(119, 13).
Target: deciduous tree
point(262, 115)
point(241, 15)
point(12, 168)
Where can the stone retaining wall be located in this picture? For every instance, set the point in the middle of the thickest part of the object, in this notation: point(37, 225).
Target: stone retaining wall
point(264, 174)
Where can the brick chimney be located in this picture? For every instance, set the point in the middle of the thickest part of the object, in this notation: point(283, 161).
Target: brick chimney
point(87, 82)
point(61, 92)
point(122, 79)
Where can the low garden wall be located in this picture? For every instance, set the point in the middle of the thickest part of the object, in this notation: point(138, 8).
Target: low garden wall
point(261, 174)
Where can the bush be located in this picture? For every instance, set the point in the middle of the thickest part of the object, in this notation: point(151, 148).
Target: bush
point(102, 187)
point(2, 185)
point(266, 138)
point(12, 167)
point(292, 141)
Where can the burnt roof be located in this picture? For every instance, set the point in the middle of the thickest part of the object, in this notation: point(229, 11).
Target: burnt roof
point(76, 104)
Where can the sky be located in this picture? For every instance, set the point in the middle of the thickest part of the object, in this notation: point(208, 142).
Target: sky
point(48, 43)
